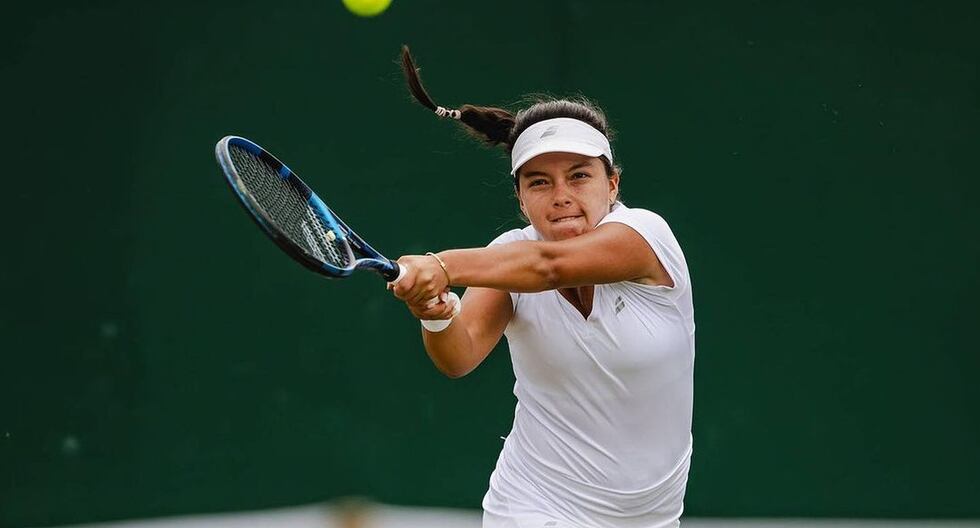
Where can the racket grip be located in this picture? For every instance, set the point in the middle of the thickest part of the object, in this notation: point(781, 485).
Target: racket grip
point(402, 270)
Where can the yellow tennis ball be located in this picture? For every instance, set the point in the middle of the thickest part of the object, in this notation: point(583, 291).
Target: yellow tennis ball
point(367, 8)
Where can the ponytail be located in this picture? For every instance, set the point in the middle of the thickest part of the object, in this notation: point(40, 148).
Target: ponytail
point(491, 125)
point(496, 126)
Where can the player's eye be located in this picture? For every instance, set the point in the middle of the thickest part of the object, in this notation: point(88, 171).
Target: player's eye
point(537, 181)
point(580, 175)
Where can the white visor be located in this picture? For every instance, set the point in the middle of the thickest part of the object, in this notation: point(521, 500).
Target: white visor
point(561, 134)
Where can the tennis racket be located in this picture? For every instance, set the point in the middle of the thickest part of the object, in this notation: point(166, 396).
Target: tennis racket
point(293, 216)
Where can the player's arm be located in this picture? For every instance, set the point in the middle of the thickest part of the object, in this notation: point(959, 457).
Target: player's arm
point(613, 252)
point(462, 346)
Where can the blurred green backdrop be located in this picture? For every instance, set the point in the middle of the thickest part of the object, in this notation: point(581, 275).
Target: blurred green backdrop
point(817, 161)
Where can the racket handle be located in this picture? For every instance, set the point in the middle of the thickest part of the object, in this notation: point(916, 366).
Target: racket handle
point(398, 270)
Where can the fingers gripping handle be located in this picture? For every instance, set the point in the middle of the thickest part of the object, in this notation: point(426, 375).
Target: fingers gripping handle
point(402, 271)
point(441, 324)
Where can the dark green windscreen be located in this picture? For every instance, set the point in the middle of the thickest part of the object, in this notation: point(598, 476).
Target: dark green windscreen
point(816, 160)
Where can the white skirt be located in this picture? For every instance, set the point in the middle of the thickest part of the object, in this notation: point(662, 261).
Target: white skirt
point(491, 520)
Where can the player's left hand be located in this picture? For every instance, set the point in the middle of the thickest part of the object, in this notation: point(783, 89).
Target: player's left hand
point(433, 310)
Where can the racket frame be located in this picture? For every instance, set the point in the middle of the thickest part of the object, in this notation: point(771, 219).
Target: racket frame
point(369, 258)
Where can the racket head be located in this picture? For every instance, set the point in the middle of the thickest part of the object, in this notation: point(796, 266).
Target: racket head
point(285, 208)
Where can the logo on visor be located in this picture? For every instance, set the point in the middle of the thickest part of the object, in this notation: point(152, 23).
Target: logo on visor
point(550, 131)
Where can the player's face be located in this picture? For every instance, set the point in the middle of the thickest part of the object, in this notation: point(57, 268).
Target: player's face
point(564, 194)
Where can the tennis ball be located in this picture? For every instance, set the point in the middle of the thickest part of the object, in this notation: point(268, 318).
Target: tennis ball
point(367, 8)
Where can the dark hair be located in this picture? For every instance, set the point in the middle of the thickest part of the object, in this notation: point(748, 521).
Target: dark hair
point(499, 127)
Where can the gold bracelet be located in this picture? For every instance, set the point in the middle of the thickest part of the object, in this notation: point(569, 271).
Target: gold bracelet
point(443, 264)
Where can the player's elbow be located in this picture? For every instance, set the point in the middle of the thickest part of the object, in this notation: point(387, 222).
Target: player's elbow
point(454, 366)
point(455, 372)
point(553, 268)
point(547, 269)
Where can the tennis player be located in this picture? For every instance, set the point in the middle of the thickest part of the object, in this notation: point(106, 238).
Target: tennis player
point(595, 300)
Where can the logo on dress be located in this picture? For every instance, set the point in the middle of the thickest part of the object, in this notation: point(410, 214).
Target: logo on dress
point(620, 304)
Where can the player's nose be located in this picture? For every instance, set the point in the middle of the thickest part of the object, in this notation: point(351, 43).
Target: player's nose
point(561, 197)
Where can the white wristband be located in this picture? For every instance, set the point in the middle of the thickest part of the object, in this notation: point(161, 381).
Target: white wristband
point(438, 325)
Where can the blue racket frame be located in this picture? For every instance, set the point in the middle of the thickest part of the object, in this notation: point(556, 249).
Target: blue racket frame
point(369, 258)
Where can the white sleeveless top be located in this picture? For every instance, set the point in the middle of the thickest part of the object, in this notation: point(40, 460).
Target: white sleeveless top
point(602, 428)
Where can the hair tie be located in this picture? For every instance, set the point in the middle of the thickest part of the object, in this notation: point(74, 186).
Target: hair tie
point(444, 112)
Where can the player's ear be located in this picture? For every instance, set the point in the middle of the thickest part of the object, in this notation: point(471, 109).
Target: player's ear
point(614, 187)
point(517, 194)
point(520, 203)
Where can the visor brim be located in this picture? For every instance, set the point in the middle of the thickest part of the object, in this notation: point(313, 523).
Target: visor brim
point(564, 145)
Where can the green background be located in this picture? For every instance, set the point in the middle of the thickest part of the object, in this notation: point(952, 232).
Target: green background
point(816, 160)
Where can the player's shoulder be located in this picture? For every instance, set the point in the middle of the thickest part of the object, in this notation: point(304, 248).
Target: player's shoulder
point(515, 235)
point(629, 215)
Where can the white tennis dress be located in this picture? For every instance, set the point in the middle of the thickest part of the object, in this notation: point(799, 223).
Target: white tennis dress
point(602, 428)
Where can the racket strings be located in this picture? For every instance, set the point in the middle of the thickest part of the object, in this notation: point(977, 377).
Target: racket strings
point(288, 210)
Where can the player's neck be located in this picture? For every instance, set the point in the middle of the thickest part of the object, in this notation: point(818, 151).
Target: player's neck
point(580, 298)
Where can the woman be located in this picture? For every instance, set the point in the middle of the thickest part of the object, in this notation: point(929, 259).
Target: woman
point(595, 300)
